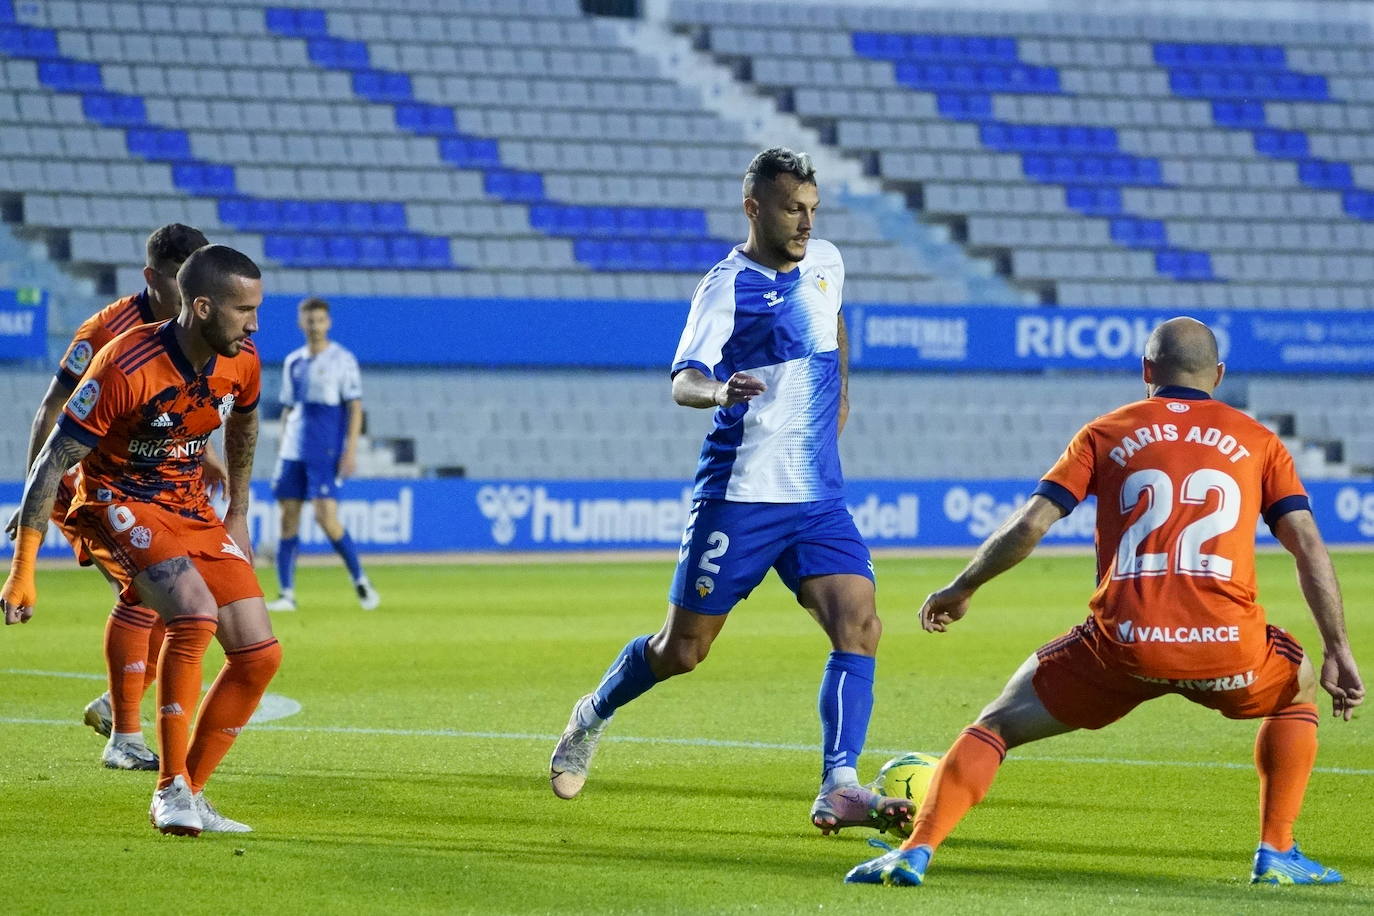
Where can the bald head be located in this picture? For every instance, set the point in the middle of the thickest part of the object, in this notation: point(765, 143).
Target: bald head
point(1183, 351)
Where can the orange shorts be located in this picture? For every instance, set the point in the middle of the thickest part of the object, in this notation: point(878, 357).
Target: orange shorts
point(1080, 688)
point(66, 490)
point(127, 538)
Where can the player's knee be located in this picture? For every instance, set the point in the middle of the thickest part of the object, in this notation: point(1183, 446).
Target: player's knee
point(857, 634)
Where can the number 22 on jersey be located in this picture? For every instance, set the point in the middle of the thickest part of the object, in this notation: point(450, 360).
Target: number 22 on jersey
point(1186, 556)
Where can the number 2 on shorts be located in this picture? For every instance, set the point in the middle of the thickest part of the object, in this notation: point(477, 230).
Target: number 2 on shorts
point(719, 544)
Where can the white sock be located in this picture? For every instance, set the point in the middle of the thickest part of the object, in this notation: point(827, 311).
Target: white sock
point(126, 737)
point(587, 717)
point(838, 777)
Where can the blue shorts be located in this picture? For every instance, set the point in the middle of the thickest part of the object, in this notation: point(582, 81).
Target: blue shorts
point(728, 548)
point(306, 479)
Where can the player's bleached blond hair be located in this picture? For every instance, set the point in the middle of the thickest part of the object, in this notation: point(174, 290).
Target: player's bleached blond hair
point(779, 160)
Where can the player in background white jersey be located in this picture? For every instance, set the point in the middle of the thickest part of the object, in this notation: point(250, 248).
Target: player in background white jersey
point(321, 391)
point(765, 347)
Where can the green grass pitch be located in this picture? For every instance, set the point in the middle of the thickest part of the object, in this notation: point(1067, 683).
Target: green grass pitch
point(413, 779)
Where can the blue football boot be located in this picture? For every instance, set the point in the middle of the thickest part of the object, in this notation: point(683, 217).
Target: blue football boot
point(1291, 867)
point(895, 868)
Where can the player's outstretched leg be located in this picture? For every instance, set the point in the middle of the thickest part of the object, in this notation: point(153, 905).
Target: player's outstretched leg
point(1290, 867)
point(895, 868)
point(628, 677)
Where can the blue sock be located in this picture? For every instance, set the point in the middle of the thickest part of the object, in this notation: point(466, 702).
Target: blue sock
point(286, 563)
point(628, 677)
point(846, 702)
point(345, 548)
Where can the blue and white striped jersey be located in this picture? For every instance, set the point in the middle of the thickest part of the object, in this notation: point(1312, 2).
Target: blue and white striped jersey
point(318, 388)
point(782, 328)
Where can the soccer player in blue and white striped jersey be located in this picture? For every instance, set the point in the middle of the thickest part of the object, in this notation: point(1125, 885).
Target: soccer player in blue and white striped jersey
point(321, 391)
point(765, 347)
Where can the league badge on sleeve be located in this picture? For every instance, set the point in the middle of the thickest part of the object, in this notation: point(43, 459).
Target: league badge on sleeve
point(83, 402)
point(79, 358)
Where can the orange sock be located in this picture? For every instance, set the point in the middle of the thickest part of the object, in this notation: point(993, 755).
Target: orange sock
point(228, 706)
point(178, 688)
point(1285, 749)
point(126, 661)
point(961, 779)
point(155, 637)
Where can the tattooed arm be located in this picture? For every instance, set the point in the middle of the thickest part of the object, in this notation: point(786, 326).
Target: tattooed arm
point(240, 443)
point(40, 492)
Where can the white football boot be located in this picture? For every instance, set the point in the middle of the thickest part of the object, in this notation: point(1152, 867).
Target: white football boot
point(174, 810)
point(214, 822)
point(573, 755)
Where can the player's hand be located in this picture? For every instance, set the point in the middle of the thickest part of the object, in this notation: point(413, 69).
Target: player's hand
point(943, 608)
point(1341, 679)
point(12, 526)
point(237, 526)
point(216, 475)
point(17, 599)
point(739, 389)
point(347, 465)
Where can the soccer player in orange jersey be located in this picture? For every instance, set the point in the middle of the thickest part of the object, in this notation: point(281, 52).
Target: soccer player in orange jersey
point(133, 634)
point(1181, 481)
point(139, 423)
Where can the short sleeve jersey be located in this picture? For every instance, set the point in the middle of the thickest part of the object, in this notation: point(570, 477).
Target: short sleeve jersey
point(147, 415)
point(783, 329)
point(318, 388)
point(98, 330)
point(1181, 481)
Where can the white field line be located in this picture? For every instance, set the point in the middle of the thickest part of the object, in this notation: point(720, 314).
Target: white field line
point(674, 742)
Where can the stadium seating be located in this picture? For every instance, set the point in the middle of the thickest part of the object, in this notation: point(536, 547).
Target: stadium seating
point(1114, 162)
point(456, 152)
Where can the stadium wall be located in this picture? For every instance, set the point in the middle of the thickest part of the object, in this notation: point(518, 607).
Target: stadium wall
point(409, 516)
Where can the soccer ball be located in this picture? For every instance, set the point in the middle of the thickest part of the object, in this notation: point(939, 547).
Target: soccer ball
point(907, 776)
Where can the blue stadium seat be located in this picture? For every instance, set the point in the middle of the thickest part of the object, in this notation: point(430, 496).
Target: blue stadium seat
point(341, 250)
point(1320, 173)
point(423, 118)
point(326, 215)
point(294, 215)
point(1359, 204)
point(382, 86)
point(112, 109)
point(633, 222)
point(233, 211)
point(6, 11)
point(312, 251)
point(1281, 144)
point(280, 247)
point(1092, 201)
point(602, 222)
point(65, 75)
point(338, 53)
point(404, 251)
point(389, 215)
point(1240, 113)
point(974, 106)
point(264, 214)
point(435, 252)
point(296, 23)
point(158, 144)
point(372, 251)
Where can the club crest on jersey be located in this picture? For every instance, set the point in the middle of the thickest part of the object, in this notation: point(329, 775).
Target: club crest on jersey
point(1176, 407)
point(822, 283)
point(705, 585)
point(83, 402)
point(141, 537)
point(773, 298)
point(79, 358)
point(225, 405)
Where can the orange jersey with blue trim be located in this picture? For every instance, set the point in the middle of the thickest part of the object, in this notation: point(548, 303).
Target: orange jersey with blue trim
point(98, 330)
point(1181, 482)
point(147, 415)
